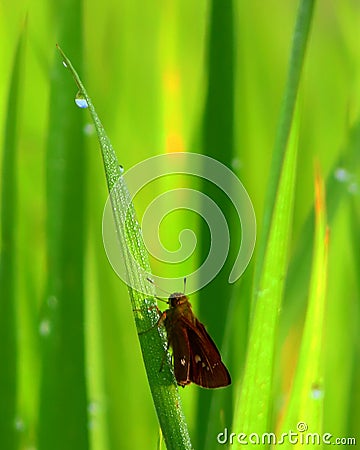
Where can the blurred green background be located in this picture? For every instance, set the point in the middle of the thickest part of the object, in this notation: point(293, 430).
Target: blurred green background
point(206, 77)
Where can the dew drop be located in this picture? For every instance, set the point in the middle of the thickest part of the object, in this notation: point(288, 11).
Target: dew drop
point(341, 174)
point(52, 301)
point(89, 129)
point(317, 393)
point(45, 327)
point(236, 164)
point(121, 168)
point(19, 424)
point(93, 408)
point(64, 64)
point(353, 187)
point(80, 100)
point(91, 424)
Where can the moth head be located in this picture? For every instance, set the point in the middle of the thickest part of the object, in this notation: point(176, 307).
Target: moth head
point(177, 298)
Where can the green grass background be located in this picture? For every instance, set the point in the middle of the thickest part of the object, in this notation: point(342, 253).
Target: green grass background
point(164, 76)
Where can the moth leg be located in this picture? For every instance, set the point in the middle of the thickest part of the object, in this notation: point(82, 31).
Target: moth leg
point(149, 308)
point(156, 325)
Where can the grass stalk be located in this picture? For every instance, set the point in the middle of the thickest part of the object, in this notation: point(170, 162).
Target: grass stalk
point(8, 291)
point(254, 407)
point(297, 57)
point(162, 385)
point(306, 399)
point(63, 403)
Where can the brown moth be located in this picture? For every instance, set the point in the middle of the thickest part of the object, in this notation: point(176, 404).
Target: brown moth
point(196, 357)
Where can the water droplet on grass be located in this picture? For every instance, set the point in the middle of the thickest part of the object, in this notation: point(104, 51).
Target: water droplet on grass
point(52, 301)
point(45, 327)
point(92, 424)
point(19, 424)
point(64, 64)
point(341, 174)
point(353, 187)
point(89, 129)
point(236, 164)
point(80, 100)
point(317, 393)
point(93, 407)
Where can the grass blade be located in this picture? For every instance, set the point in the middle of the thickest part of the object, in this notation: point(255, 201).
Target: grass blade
point(253, 412)
point(336, 193)
point(300, 39)
point(63, 421)
point(164, 391)
point(8, 293)
point(255, 402)
point(214, 408)
point(305, 410)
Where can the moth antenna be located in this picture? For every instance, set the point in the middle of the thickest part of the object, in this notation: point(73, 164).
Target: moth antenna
point(157, 287)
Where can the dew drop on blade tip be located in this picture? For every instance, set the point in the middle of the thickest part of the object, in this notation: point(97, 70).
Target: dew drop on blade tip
point(80, 100)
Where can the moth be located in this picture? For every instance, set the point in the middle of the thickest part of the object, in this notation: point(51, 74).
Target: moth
point(195, 355)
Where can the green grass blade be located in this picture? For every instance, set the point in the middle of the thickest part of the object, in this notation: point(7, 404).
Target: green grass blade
point(300, 40)
point(340, 309)
point(164, 391)
point(354, 391)
point(254, 401)
point(305, 410)
point(8, 291)
point(63, 421)
point(214, 408)
point(254, 408)
point(336, 193)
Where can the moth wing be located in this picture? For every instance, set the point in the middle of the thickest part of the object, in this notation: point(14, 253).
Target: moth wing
point(206, 368)
point(181, 355)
